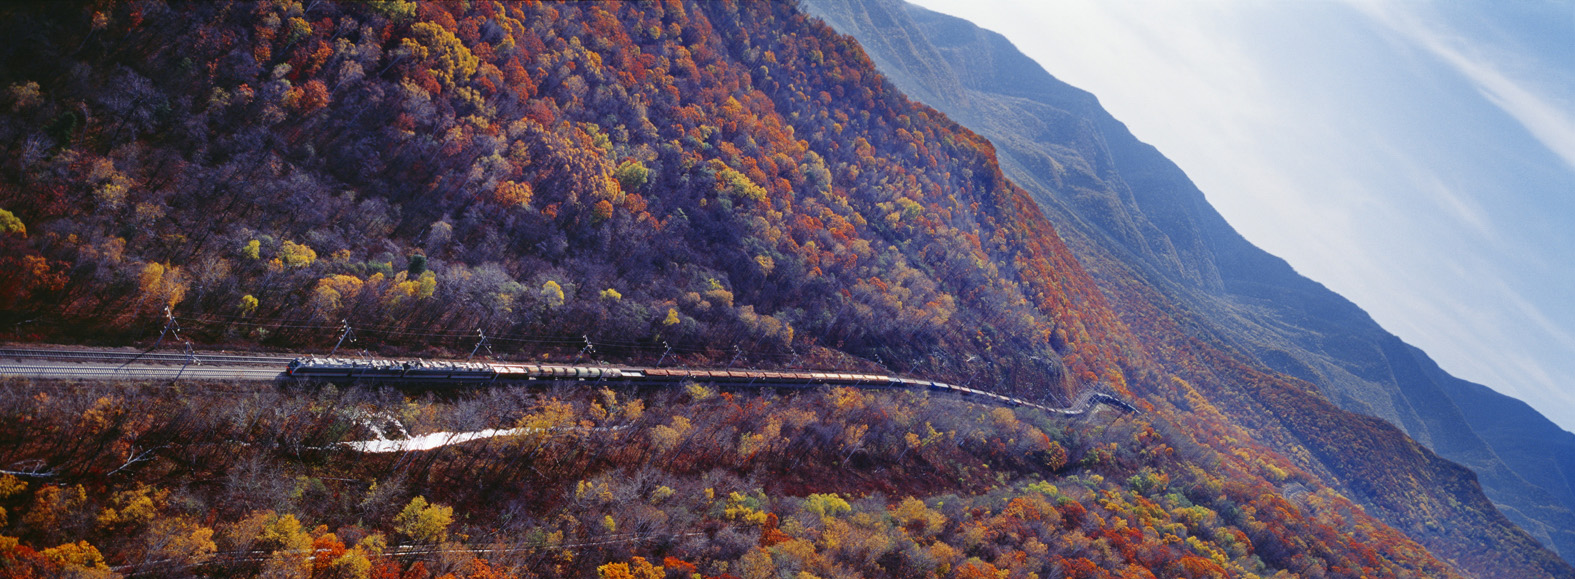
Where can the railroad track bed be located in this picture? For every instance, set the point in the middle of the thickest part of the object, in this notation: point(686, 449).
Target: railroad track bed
point(44, 363)
point(92, 371)
point(117, 356)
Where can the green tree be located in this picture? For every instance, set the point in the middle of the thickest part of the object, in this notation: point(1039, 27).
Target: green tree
point(396, 10)
point(738, 184)
point(632, 175)
point(826, 505)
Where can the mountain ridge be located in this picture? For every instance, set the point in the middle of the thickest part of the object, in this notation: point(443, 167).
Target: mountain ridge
point(684, 182)
point(1144, 208)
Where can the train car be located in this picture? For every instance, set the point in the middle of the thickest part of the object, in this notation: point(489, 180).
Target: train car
point(1113, 401)
point(515, 371)
point(344, 368)
point(449, 371)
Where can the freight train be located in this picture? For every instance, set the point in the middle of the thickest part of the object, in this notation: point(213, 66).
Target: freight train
point(469, 373)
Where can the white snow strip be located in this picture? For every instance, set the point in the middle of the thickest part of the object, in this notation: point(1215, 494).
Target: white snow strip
point(430, 441)
point(440, 439)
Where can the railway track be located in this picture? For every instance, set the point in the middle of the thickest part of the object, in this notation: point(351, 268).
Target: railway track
point(125, 365)
point(137, 372)
point(112, 356)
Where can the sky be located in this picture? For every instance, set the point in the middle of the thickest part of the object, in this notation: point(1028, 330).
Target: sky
point(1416, 157)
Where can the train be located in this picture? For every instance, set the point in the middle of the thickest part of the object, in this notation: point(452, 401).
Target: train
point(341, 369)
point(473, 373)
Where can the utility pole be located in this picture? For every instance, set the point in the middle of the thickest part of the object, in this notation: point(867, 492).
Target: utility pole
point(588, 348)
point(191, 360)
point(664, 353)
point(479, 344)
point(970, 360)
point(736, 354)
point(348, 332)
point(169, 325)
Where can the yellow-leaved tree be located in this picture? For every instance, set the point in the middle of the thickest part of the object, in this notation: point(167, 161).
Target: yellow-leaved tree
point(333, 291)
point(162, 285)
point(297, 254)
point(424, 522)
point(451, 61)
point(10, 225)
point(552, 294)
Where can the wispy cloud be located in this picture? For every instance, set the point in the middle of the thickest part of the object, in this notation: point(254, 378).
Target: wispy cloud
point(1551, 122)
point(1429, 186)
point(1347, 159)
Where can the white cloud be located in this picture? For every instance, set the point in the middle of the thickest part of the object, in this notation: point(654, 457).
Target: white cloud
point(1462, 208)
point(1325, 136)
point(1538, 319)
point(1550, 122)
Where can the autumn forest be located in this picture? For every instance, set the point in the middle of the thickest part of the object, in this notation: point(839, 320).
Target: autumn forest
point(684, 182)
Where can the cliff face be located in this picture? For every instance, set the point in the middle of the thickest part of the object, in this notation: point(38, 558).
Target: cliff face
point(1130, 211)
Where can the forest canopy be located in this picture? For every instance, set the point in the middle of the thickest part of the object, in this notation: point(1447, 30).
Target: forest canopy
point(422, 170)
point(722, 181)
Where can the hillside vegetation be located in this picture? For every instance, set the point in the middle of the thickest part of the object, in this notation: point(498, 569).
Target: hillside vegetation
point(631, 173)
point(731, 179)
point(1133, 217)
point(231, 480)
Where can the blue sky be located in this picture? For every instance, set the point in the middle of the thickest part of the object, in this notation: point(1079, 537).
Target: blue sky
point(1416, 157)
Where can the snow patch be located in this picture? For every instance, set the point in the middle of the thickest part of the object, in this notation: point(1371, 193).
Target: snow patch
point(430, 441)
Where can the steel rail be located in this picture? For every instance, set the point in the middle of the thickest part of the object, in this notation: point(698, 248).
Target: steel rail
point(119, 356)
point(139, 372)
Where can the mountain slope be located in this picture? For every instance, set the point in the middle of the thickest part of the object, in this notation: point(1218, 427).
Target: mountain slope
point(608, 179)
point(1107, 190)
